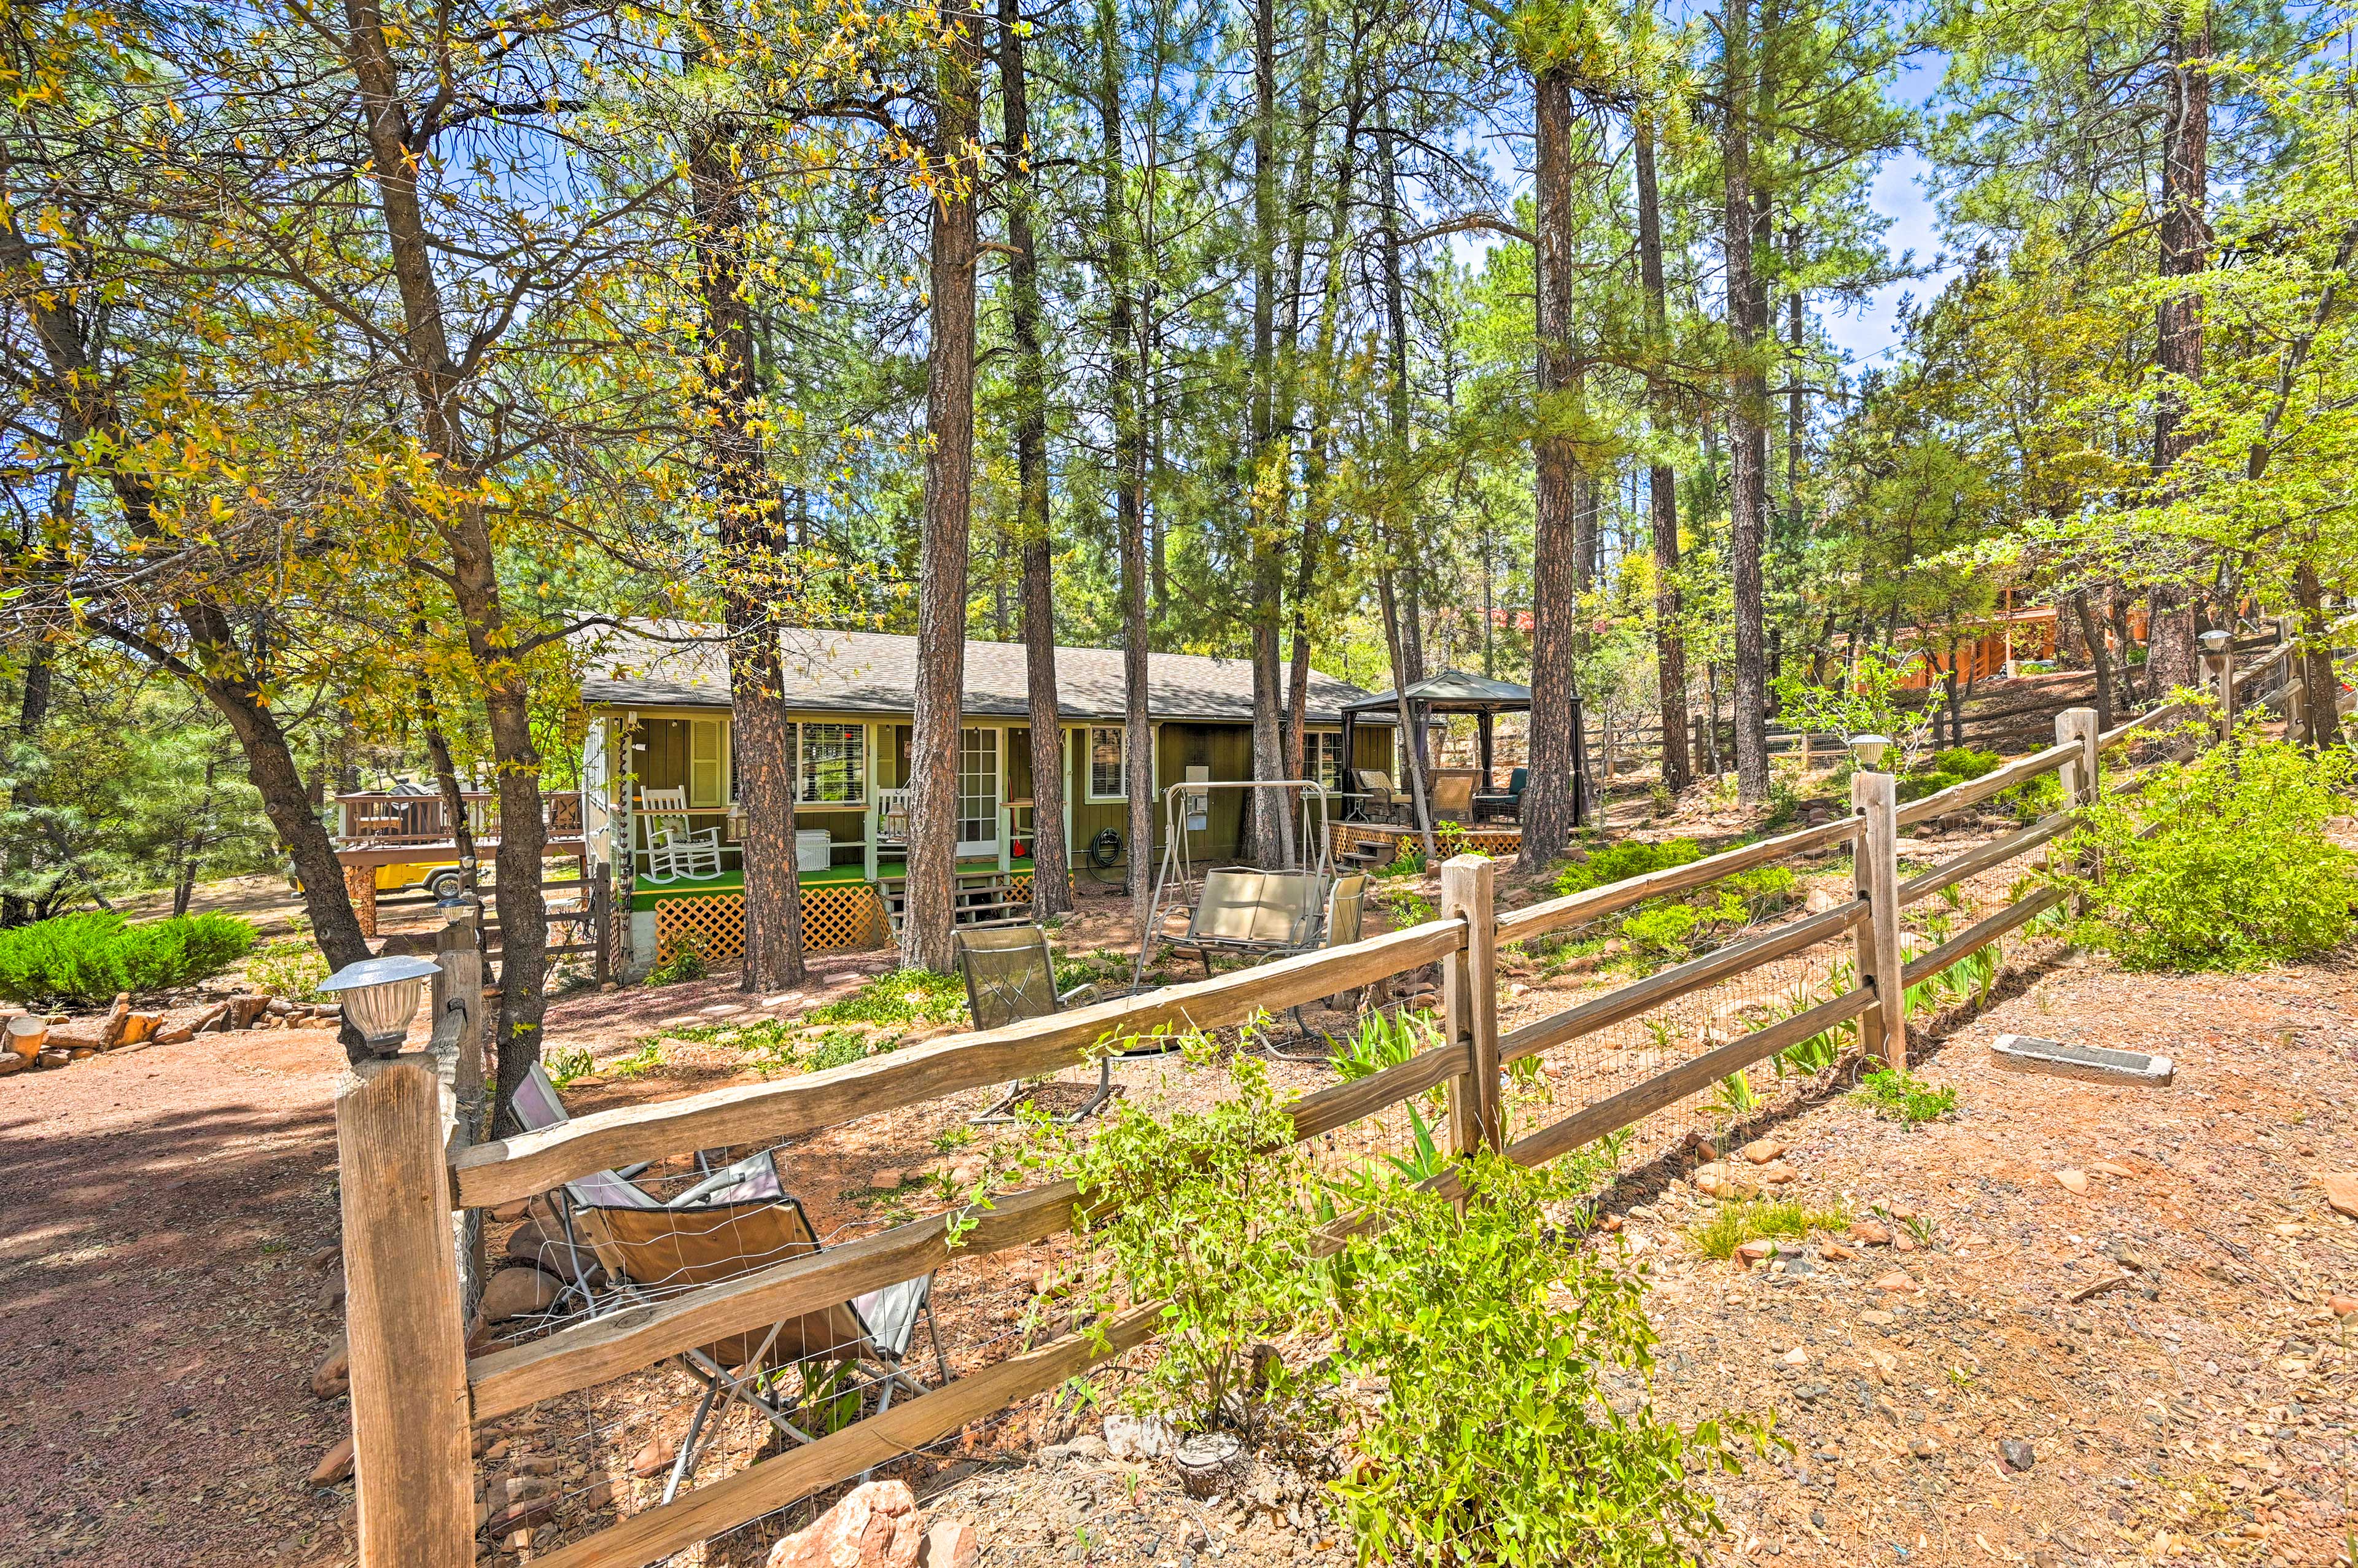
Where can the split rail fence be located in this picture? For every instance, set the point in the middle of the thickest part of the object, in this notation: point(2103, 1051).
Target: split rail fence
point(409, 1165)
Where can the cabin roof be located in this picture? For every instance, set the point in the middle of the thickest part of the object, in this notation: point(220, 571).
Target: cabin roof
point(678, 663)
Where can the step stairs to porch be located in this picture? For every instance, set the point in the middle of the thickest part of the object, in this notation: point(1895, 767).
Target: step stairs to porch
point(977, 902)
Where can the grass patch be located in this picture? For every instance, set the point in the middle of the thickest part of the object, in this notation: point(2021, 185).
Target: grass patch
point(1903, 1097)
point(905, 996)
point(1737, 1224)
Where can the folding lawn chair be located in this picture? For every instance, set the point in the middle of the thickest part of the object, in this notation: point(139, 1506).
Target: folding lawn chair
point(732, 1222)
point(1011, 975)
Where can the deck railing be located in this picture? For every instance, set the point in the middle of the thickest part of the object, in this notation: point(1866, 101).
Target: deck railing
point(383, 819)
point(417, 1395)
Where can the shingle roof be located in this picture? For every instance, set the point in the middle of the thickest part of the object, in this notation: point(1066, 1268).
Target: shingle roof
point(1453, 691)
point(677, 664)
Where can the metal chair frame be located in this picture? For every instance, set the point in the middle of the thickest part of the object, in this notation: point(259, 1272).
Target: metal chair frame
point(993, 1001)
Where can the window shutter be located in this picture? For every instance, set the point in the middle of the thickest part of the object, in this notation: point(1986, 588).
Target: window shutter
point(704, 755)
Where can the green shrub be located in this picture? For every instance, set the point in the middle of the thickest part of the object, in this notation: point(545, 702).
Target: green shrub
point(1735, 1224)
point(1966, 762)
point(1915, 786)
point(90, 958)
point(2236, 871)
point(291, 966)
point(1630, 858)
point(683, 962)
point(1497, 1436)
point(1902, 1096)
point(1384, 1040)
point(2030, 801)
point(1214, 1213)
point(1667, 931)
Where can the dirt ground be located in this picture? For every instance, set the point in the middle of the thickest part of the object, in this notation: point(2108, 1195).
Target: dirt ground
point(2162, 1341)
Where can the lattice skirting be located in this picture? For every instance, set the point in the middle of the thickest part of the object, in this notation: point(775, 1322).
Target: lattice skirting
point(1497, 843)
point(835, 920)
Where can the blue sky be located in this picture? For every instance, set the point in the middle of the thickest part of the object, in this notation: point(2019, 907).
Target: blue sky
point(1872, 330)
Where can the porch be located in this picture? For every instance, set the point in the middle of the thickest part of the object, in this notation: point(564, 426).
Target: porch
point(843, 908)
point(1366, 846)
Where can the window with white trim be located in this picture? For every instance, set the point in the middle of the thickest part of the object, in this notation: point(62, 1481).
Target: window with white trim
point(1325, 757)
point(834, 765)
point(1108, 770)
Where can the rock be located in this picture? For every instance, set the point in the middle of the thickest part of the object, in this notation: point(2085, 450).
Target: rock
point(2342, 1306)
point(2070, 1181)
point(509, 1212)
point(514, 1293)
point(2107, 1168)
point(1778, 1174)
point(1835, 1251)
point(523, 1513)
point(1089, 1445)
point(174, 1034)
point(325, 1259)
point(1760, 1151)
point(1878, 1318)
point(598, 1494)
point(1874, 1233)
point(1903, 1242)
point(1895, 1281)
point(655, 1458)
point(1754, 1251)
point(1720, 1182)
point(244, 1010)
point(11, 1063)
point(1129, 1437)
point(1822, 899)
point(2016, 1453)
point(2341, 1189)
point(875, 1526)
point(952, 1543)
point(1797, 1357)
point(1924, 1447)
point(334, 1466)
point(334, 1375)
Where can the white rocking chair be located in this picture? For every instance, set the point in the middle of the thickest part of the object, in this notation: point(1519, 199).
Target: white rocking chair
point(674, 853)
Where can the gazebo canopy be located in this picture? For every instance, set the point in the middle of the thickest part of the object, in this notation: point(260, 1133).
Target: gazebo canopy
point(1453, 691)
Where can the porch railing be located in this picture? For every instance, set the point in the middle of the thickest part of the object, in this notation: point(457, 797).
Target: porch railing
point(386, 819)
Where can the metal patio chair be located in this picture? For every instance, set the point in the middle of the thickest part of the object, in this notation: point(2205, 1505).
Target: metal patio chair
point(1379, 799)
point(730, 1222)
point(674, 851)
point(1011, 975)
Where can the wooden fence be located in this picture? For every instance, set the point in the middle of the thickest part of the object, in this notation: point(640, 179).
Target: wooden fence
point(406, 1169)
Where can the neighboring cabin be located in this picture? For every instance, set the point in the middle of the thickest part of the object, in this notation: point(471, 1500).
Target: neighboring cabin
point(657, 702)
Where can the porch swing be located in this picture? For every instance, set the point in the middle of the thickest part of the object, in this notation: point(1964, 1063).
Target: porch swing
point(1248, 911)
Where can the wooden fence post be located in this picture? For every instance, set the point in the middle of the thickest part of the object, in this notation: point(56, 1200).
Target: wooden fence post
point(2226, 679)
point(413, 1459)
point(2078, 776)
point(1469, 1004)
point(1875, 874)
point(601, 917)
point(456, 1026)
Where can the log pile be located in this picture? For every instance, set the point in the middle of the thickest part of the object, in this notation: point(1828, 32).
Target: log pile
point(29, 1040)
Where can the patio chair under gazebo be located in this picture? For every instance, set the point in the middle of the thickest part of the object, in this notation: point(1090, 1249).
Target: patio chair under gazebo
point(1454, 691)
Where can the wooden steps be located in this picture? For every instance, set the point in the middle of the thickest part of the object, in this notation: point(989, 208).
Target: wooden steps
point(990, 899)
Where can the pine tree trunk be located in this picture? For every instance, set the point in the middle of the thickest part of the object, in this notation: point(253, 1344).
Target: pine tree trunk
point(1747, 433)
point(32, 712)
point(1129, 473)
point(1273, 826)
point(1662, 483)
point(1550, 796)
point(1052, 886)
point(927, 923)
point(2185, 254)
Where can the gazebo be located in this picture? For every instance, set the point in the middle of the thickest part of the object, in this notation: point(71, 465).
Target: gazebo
point(1454, 691)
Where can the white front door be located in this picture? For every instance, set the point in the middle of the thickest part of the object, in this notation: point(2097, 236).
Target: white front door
point(979, 776)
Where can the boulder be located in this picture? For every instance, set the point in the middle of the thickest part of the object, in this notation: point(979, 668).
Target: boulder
point(334, 1466)
point(334, 1375)
point(875, 1526)
point(1129, 1437)
point(949, 1544)
point(514, 1292)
